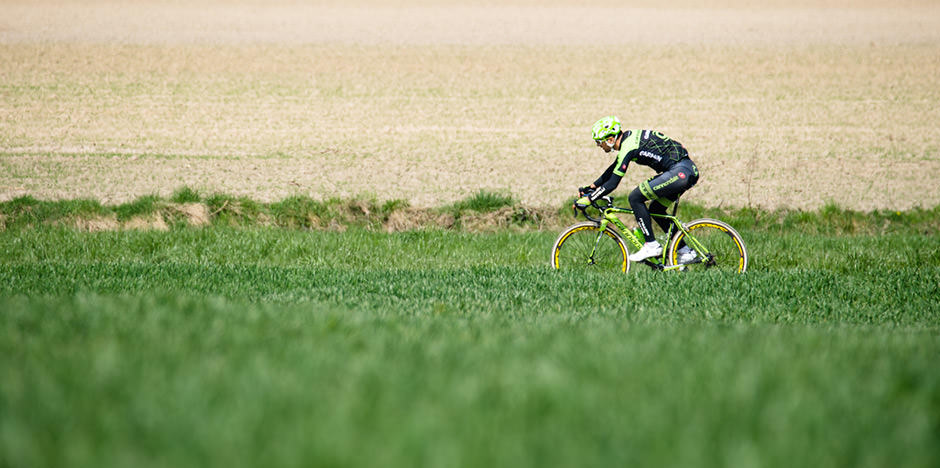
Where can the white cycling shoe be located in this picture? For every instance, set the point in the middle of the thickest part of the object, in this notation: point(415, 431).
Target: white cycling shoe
point(649, 249)
point(686, 255)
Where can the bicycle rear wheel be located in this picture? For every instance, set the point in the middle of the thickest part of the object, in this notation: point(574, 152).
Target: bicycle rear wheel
point(585, 246)
point(725, 247)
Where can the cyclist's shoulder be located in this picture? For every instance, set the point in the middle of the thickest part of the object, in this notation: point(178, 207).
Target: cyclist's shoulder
point(631, 138)
point(653, 133)
point(657, 139)
point(643, 134)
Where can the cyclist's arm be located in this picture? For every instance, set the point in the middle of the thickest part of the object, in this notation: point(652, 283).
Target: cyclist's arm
point(608, 185)
point(606, 175)
point(612, 176)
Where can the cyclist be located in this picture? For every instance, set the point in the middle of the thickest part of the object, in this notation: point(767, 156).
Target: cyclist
point(676, 174)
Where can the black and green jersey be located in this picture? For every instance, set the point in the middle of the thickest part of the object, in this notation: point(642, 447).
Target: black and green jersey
point(649, 148)
point(646, 147)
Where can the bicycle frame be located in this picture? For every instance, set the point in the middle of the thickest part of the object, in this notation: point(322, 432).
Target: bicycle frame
point(609, 215)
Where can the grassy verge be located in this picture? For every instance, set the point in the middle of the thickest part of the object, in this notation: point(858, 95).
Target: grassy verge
point(484, 211)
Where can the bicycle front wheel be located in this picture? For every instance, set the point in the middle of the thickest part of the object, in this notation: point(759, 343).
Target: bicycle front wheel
point(722, 246)
point(584, 246)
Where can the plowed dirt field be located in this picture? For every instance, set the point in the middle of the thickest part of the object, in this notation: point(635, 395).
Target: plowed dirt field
point(789, 104)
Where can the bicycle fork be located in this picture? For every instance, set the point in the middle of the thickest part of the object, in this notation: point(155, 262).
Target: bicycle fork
point(597, 241)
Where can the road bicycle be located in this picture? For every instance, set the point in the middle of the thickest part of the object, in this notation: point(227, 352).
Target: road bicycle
point(603, 243)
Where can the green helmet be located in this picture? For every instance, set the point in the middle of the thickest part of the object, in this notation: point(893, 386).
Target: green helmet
point(606, 127)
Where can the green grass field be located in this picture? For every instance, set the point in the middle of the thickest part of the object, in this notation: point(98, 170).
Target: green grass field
point(238, 346)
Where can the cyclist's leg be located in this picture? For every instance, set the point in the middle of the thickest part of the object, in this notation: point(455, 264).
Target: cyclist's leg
point(643, 219)
point(657, 207)
point(662, 190)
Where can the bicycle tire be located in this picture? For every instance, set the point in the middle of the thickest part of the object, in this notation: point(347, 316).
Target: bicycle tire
point(574, 247)
point(721, 240)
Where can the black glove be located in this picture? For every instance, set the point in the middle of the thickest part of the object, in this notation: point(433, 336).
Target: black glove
point(582, 191)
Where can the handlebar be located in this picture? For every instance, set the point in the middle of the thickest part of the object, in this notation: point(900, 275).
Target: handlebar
point(608, 202)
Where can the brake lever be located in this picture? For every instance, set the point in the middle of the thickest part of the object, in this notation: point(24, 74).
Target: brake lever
point(607, 199)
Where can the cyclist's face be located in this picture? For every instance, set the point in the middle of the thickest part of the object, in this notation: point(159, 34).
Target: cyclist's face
point(605, 144)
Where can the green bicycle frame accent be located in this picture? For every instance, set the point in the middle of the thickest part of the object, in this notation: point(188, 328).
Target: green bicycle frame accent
point(610, 216)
